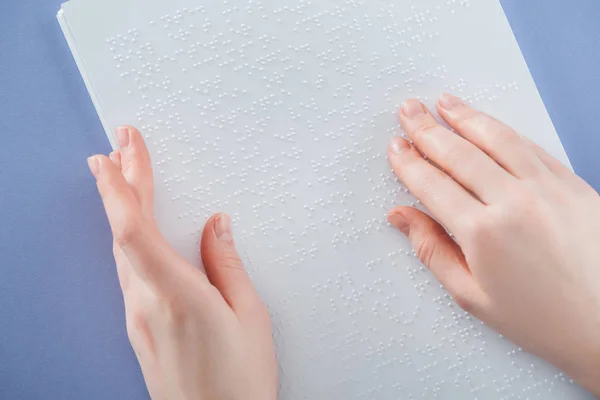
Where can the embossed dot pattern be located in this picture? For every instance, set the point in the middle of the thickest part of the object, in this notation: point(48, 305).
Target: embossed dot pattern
point(279, 113)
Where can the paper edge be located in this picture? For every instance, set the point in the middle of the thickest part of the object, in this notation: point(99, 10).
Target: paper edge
point(61, 16)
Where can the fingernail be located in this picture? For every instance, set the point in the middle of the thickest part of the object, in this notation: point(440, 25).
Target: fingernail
point(398, 145)
point(122, 135)
point(399, 223)
point(223, 228)
point(94, 165)
point(115, 157)
point(449, 102)
point(413, 108)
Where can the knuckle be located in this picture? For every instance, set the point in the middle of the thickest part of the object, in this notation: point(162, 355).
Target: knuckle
point(133, 129)
point(408, 168)
point(455, 156)
point(477, 228)
point(523, 207)
point(475, 118)
point(524, 202)
point(170, 311)
point(499, 220)
point(230, 260)
point(504, 137)
point(424, 177)
point(138, 329)
point(167, 311)
point(425, 249)
point(424, 128)
point(127, 232)
point(500, 132)
point(136, 323)
point(470, 117)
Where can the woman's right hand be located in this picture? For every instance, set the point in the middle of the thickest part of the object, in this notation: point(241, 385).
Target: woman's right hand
point(525, 258)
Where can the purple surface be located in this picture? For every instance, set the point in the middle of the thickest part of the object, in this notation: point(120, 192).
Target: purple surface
point(63, 334)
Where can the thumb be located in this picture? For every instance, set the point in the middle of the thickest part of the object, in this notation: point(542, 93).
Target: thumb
point(223, 265)
point(440, 253)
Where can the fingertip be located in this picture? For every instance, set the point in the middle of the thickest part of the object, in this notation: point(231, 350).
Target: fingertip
point(402, 210)
point(208, 229)
point(115, 157)
point(98, 164)
point(412, 108)
point(104, 161)
point(208, 240)
point(217, 230)
point(449, 102)
point(397, 218)
point(394, 210)
point(398, 146)
point(107, 173)
point(122, 136)
point(417, 120)
point(136, 166)
point(132, 129)
point(94, 165)
point(135, 152)
point(129, 137)
point(136, 140)
point(222, 228)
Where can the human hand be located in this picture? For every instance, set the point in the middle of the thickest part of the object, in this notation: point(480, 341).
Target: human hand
point(196, 336)
point(525, 258)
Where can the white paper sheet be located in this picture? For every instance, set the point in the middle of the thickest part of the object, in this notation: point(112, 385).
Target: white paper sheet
point(279, 113)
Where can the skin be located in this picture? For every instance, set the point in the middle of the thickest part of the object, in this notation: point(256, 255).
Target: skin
point(523, 257)
point(196, 336)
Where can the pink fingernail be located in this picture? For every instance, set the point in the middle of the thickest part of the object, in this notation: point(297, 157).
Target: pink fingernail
point(399, 222)
point(122, 134)
point(399, 145)
point(413, 108)
point(94, 165)
point(449, 102)
point(222, 228)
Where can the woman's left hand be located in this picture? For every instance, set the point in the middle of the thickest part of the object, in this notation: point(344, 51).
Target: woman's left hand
point(196, 336)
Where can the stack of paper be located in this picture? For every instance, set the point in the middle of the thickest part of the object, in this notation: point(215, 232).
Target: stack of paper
point(279, 113)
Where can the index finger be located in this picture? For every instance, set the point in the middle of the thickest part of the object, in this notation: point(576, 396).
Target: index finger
point(447, 201)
